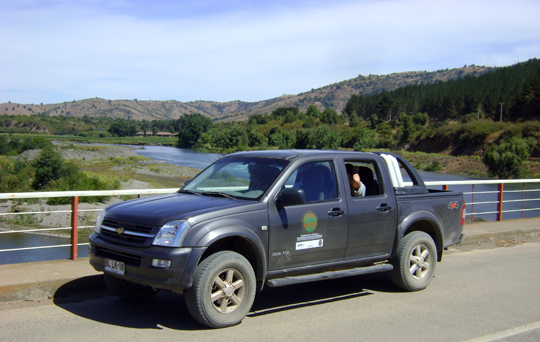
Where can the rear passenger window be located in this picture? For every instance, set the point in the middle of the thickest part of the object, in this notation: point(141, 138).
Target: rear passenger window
point(368, 174)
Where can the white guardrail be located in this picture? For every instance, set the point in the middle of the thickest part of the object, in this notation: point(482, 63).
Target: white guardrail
point(74, 211)
point(484, 196)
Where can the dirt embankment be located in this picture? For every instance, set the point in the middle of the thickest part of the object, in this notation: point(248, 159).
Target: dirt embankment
point(465, 165)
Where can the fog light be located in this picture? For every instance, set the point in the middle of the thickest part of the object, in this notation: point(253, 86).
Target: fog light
point(161, 263)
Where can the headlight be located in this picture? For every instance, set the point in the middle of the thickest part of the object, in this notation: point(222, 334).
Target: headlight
point(99, 220)
point(171, 234)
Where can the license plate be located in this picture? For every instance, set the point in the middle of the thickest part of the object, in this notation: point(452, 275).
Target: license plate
point(114, 266)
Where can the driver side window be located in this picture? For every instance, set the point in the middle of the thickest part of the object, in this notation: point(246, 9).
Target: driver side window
point(317, 179)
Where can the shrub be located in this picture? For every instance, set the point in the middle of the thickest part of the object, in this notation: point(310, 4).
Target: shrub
point(505, 159)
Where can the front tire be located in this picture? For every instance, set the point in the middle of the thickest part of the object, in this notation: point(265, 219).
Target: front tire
point(128, 290)
point(223, 290)
point(414, 263)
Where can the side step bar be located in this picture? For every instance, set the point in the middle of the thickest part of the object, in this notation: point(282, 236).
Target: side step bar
point(330, 275)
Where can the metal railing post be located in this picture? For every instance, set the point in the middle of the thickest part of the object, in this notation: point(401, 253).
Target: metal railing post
point(500, 202)
point(74, 227)
point(523, 200)
point(472, 204)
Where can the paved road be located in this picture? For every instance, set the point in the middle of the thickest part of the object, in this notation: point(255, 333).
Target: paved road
point(483, 295)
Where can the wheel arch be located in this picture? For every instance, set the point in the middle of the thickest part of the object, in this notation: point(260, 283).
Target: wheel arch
point(426, 222)
point(240, 240)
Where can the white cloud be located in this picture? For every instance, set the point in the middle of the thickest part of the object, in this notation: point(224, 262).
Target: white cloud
point(70, 51)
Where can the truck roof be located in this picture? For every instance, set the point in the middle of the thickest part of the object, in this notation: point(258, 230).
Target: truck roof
point(291, 154)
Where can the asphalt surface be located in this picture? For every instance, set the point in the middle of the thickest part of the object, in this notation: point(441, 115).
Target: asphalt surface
point(75, 280)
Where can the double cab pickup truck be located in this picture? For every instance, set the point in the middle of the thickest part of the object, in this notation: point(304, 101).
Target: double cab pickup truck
point(276, 218)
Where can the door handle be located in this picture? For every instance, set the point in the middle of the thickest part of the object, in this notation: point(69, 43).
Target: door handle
point(383, 207)
point(336, 212)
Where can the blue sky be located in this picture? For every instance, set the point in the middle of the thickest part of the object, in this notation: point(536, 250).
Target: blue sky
point(53, 51)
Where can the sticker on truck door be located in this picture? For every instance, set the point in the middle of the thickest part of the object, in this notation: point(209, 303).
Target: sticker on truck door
point(309, 244)
point(309, 221)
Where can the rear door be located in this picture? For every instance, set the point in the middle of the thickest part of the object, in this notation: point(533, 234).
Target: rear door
point(311, 233)
point(372, 218)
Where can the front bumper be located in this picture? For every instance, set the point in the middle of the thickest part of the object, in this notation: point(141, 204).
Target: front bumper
point(138, 263)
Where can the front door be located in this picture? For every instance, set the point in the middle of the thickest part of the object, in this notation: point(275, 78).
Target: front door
point(314, 232)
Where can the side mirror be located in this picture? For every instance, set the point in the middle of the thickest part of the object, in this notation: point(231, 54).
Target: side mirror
point(187, 181)
point(290, 197)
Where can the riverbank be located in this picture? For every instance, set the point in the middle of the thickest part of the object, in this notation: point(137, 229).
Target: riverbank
point(121, 163)
point(149, 140)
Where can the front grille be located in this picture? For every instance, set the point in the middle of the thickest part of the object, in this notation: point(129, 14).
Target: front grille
point(128, 233)
point(128, 226)
point(127, 258)
point(130, 239)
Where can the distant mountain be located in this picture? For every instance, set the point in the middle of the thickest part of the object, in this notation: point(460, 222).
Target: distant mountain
point(334, 96)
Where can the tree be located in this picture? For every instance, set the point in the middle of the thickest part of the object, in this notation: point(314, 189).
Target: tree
point(4, 146)
point(420, 119)
point(374, 121)
point(289, 117)
point(310, 122)
point(49, 166)
point(313, 111)
point(283, 139)
point(190, 128)
point(384, 107)
point(408, 129)
point(257, 139)
point(259, 119)
point(283, 110)
point(367, 138)
point(145, 125)
point(320, 138)
point(354, 121)
point(122, 128)
point(15, 176)
point(234, 139)
point(353, 104)
point(505, 159)
point(330, 117)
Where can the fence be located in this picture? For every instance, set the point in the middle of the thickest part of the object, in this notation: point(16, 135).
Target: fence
point(74, 211)
point(490, 199)
point(485, 199)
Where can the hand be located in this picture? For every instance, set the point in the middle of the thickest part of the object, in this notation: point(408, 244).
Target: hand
point(356, 181)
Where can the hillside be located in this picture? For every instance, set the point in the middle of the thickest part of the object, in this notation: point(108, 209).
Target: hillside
point(334, 96)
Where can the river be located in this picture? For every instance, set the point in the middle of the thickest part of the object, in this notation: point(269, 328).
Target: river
point(171, 155)
point(181, 157)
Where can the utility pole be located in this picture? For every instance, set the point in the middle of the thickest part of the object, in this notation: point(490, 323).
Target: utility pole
point(502, 103)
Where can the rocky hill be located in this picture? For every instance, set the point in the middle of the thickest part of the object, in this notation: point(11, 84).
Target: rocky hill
point(333, 96)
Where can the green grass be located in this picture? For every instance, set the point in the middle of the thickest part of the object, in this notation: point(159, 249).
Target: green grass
point(149, 140)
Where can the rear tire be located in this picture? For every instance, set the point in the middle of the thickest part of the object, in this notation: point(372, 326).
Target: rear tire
point(128, 290)
point(223, 290)
point(414, 263)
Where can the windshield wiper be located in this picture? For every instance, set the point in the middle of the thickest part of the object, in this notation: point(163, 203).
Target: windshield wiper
point(218, 194)
point(191, 192)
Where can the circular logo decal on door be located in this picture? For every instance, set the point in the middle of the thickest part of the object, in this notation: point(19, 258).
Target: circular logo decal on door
point(309, 221)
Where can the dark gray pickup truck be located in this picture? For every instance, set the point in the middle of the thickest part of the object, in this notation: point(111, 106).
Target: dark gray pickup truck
point(276, 218)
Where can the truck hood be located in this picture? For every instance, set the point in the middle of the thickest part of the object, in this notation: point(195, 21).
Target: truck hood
point(158, 210)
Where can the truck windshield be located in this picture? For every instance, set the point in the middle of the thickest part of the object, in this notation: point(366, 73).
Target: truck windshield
point(238, 177)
